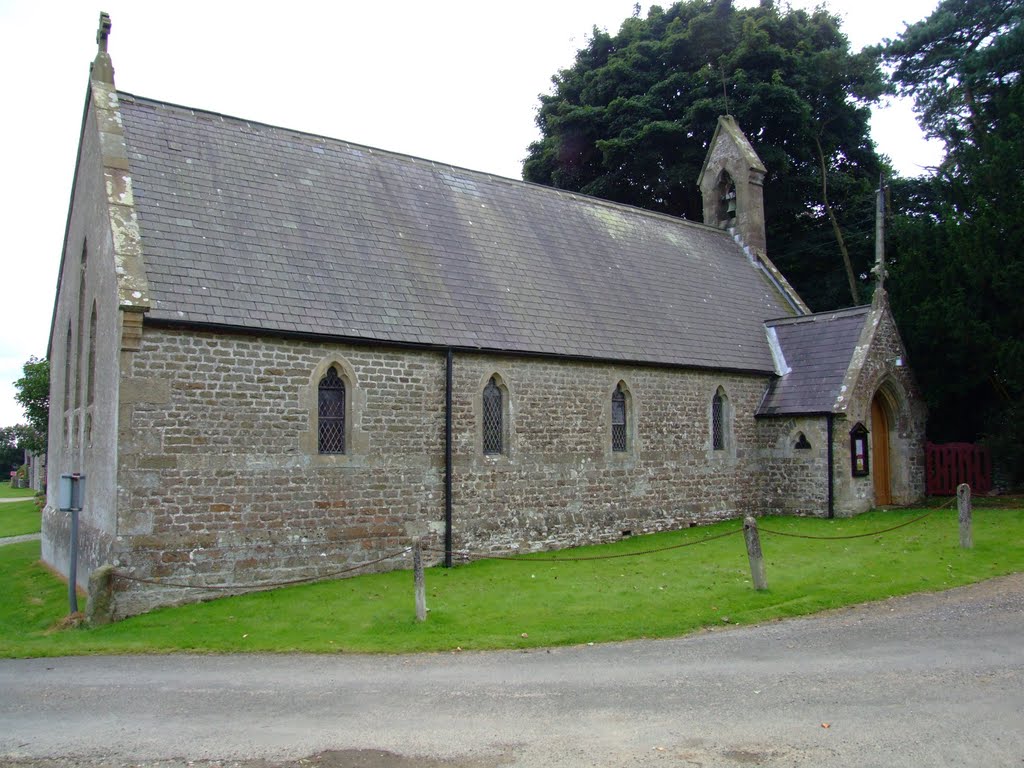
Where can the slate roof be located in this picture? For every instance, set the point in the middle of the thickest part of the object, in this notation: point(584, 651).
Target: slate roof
point(818, 349)
point(260, 227)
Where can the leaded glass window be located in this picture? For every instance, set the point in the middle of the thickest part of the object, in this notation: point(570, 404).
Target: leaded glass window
point(618, 419)
point(79, 350)
point(331, 413)
point(718, 422)
point(68, 434)
point(493, 418)
point(91, 380)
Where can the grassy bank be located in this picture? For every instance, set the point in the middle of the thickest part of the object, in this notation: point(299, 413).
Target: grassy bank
point(6, 492)
point(532, 602)
point(19, 517)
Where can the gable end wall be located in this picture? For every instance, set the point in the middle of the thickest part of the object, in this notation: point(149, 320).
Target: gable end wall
point(82, 437)
point(875, 366)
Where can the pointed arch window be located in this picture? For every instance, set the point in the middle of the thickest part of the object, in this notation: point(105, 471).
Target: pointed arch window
point(493, 418)
point(619, 426)
point(79, 348)
point(90, 388)
point(331, 413)
point(726, 200)
point(67, 370)
point(719, 420)
point(67, 390)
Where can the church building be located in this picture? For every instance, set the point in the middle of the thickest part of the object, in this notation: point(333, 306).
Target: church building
point(276, 354)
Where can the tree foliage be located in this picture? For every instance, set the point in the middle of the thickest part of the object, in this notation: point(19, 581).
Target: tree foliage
point(33, 394)
point(631, 119)
point(958, 240)
point(11, 450)
point(962, 66)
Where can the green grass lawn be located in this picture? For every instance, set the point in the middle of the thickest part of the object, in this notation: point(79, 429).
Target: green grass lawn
point(6, 492)
point(19, 517)
point(532, 602)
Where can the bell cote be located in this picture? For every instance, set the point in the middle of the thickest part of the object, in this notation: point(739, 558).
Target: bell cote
point(731, 184)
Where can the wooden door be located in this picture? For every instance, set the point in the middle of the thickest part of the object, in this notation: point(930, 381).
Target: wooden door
point(880, 453)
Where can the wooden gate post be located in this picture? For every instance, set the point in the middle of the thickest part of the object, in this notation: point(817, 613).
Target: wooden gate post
point(754, 553)
point(421, 589)
point(963, 505)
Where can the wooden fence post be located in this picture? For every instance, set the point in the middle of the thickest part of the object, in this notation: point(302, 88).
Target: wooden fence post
point(754, 553)
point(421, 589)
point(963, 505)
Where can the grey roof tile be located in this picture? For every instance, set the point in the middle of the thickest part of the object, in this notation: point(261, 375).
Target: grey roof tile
point(818, 350)
point(264, 228)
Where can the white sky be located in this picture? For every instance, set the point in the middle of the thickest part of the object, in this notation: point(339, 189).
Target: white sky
point(449, 80)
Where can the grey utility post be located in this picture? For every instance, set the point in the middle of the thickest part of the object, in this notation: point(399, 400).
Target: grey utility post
point(70, 496)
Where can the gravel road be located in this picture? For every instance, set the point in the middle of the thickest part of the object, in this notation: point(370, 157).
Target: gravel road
point(925, 680)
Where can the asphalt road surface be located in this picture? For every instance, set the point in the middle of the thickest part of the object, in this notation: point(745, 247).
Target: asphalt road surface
point(926, 680)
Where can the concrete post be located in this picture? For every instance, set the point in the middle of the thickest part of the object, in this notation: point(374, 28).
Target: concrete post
point(421, 589)
point(963, 505)
point(100, 608)
point(754, 553)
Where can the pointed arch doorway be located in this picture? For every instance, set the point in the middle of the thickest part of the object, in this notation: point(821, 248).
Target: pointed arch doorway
point(880, 462)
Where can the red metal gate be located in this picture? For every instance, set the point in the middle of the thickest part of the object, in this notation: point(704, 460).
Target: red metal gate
point(949, 464)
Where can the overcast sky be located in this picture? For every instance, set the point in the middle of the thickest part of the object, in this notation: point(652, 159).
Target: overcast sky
point(452, 81)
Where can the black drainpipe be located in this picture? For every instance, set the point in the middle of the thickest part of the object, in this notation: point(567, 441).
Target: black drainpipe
point(831, 461)
point(448, 459)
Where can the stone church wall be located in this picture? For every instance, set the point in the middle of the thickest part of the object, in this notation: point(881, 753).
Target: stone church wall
point(219, 482)
point(218, 485)
point(562, 484)
point(794, 481)
point(83, 355)
point(883, 370)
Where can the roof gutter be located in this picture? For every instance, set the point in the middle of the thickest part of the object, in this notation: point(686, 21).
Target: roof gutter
point(831, 462)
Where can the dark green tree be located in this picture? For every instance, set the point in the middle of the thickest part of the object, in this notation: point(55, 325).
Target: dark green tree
point(958, 238)
point(33, 394)
point(631, 120)
point(962, 66)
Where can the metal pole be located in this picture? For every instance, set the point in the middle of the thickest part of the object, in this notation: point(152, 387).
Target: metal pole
point(831, 468)
point(448, 538)
point(73, 566)
point(880, 234)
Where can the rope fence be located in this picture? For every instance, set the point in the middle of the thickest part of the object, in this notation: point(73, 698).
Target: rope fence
point(929, 513)
point(526, 557)
point(263, 585)
point(467, 556)
point(749, 528)
point(852, 535)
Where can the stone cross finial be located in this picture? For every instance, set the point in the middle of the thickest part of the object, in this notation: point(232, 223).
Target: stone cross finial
point(102, 67)
point(103, 32)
